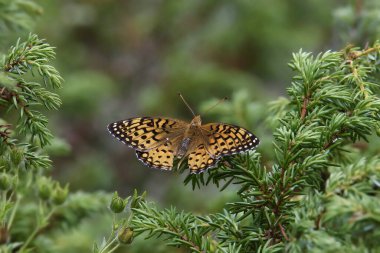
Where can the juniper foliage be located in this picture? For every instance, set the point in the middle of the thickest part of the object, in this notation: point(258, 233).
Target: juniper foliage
point(32, 204)
point(320, 192)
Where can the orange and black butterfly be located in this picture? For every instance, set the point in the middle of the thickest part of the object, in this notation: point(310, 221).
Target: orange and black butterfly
point(158, 141)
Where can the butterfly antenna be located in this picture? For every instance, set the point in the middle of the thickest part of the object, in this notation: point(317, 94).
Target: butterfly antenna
point(219, 102)
point(188, 106)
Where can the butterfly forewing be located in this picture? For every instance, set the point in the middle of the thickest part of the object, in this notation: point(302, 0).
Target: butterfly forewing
point(146, 133)
point(225, 139)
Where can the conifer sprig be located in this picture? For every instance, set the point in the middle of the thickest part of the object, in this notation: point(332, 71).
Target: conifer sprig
point(32, 203)
point(19, 94)
point(332, 104)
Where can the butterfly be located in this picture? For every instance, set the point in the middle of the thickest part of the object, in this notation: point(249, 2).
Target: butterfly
point(158, 141)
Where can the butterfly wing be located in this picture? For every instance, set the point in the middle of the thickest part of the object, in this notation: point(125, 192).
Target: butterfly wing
point(158, 158)
point(146, 133)
point(199, 159)
point(154, 139)
point(224, 139)
point(219, 140)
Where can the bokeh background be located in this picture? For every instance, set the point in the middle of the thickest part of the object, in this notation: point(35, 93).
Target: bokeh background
point(122, 59)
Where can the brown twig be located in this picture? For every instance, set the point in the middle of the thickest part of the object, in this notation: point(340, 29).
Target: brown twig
point(356, 54)
point(317, 222)
point(283, 232)
point(357, 78)
point(304, 106)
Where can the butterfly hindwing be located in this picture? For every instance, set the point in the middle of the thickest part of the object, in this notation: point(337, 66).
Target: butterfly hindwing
point(158, 158)
point(224, 139)
point(200, 160)
point(146, 133)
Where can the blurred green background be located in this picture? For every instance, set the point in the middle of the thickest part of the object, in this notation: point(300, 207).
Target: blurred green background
point(123, 59)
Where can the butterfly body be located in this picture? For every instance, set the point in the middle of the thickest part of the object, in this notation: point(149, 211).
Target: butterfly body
point(158, 141)
point(184, 146)
point(191, 133)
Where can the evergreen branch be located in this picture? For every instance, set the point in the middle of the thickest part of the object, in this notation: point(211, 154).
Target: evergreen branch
point(330, 108)
point(350, 204)
point(22, 161)
point(34, 53)
point(180, 227)
point(35, 123)
point(20, 94)
point(34, 93)
point(33, 159)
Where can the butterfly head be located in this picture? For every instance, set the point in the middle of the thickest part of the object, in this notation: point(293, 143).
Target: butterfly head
point(196, 121)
